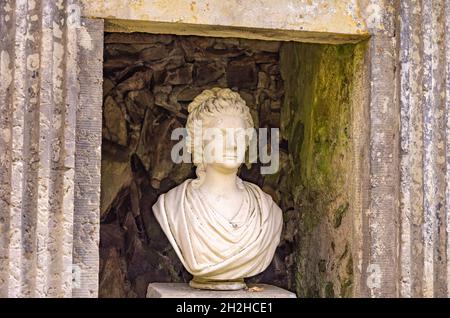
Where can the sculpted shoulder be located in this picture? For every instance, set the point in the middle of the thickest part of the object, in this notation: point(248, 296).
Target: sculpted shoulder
point(267, 198)
point(176, 193)
point(168, 208)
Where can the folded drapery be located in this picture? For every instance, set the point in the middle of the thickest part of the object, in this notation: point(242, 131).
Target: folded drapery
point(212, 247)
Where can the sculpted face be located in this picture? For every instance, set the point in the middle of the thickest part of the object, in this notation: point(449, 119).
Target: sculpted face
point(224, 143)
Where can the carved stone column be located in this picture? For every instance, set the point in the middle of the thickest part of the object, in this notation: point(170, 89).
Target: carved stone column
point(424, 76)
point(39, 96)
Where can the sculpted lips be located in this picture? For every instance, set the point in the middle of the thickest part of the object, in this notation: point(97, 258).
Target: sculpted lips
point(230, 157)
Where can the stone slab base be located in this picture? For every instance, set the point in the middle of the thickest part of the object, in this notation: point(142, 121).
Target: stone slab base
point(183, 290)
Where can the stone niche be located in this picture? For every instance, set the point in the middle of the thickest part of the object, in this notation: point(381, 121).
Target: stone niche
point(307, 90)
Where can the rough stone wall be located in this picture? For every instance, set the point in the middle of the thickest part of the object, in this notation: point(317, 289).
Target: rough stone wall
point(316, 122)
point(148, 82)
point(39, 46)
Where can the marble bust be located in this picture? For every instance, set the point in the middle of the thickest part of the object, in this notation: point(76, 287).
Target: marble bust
point(222, 228)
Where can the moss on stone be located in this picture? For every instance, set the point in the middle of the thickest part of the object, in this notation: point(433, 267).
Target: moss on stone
point(329, 290)
point(339, 214)
point(322, 266)
point(349, 267)
point(316, 122)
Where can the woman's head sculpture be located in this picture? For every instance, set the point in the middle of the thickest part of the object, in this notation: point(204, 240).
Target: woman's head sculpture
point(217, 108)
point(222, 228)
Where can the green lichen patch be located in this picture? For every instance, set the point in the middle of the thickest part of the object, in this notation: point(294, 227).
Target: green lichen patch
point(329, 290)
point(339, 214)
point(316, 122)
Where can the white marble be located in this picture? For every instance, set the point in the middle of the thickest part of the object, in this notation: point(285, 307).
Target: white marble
point(223, 229)
point(183, 290)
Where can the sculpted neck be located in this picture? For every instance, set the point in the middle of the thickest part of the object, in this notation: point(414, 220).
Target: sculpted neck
point(220, 182)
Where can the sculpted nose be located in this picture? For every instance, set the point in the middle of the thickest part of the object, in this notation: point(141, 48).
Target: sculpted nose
point(231, 144)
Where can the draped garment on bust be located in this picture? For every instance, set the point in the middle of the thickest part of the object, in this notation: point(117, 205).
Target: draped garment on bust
point(208, 244)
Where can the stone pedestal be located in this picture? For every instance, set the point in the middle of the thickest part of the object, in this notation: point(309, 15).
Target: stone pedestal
point(183, 290)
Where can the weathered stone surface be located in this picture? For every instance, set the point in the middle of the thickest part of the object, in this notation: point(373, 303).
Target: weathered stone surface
point(424, 74)
point(163, 100)
point(265, 46)
point(316, 117)
point(215, 53)
point(271, 69)
point(49, 153)
point(113, 276)
point(164, 89)
point(153, 53)
point(137, 81)
point(207, 72)
point(137, 38)
point(275, 105)
point(173, 61)
point(249, 99)
point(313, 21)
point(108, 85)
point(116, 174)
point(242, 73)
point(115, 50)
point(182, 290)
point(263, 80)
point(264, 58)
point(203, 42)
point(144, 149)
point(118, 63)
point(162, 163)
point(225, 43)
point(86, 208)
point(180, 76)
point(144, 98)
point(135, 112)
point(188, 93)
point(115, 127)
